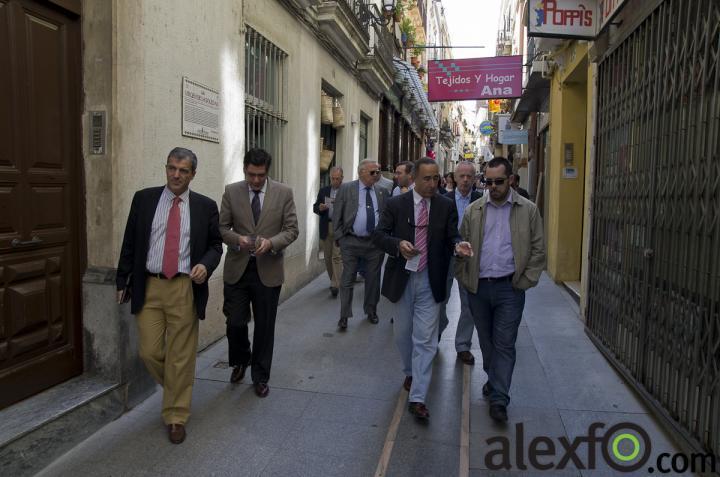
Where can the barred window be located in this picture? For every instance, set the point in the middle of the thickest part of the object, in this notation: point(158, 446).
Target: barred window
point(265, 98)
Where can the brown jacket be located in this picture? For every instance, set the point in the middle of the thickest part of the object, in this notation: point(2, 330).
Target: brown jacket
point(528, 243)
point(278, 223)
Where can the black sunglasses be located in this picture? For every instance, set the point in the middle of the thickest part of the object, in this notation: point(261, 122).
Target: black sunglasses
point(490, 182)
point(374, 173)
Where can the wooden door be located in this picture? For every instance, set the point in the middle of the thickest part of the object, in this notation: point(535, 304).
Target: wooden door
point(41, 208)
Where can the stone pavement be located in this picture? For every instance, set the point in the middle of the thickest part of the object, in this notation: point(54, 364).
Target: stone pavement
point(336, 405)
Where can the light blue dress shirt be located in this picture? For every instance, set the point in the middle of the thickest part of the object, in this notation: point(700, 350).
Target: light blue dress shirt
point(360, 224)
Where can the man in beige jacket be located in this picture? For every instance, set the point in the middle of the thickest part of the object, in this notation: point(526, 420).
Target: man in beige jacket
point(505, 231)
point(257, 222)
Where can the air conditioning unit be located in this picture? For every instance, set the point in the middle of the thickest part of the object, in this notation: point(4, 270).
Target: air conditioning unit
point(544, 66)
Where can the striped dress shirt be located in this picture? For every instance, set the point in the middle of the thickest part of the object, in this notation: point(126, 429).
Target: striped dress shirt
point(157, 233)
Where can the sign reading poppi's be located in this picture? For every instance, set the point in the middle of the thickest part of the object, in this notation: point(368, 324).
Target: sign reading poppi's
point(475, 78)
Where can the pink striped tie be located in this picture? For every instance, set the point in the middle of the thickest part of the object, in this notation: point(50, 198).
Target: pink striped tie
point(171, 253)
point(421, 235)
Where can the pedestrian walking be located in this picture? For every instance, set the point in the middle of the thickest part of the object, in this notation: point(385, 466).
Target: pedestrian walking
point(257, 222)
point(506, 232)
point(323, 207)
point(462, 197)
point(403, 176)
point(170, 248)
point(418, 231)
point(356, 213)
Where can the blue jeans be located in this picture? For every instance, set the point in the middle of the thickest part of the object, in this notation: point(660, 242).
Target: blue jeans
point(497, 309)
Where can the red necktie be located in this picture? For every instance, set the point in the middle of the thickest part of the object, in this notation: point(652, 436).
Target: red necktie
point(171, 253)
point(421, 235)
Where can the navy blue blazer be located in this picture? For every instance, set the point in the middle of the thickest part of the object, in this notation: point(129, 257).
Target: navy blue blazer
point(205, 244)
point(324, 215)
point(397, 223)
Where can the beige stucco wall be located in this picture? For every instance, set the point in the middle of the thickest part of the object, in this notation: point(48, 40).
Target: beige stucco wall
point(136, 55)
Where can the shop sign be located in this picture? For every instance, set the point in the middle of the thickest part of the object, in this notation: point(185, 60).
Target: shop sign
point(509, 134)
point(494, 106)
point(487, 128)
point(583, 19)
point(475, 78)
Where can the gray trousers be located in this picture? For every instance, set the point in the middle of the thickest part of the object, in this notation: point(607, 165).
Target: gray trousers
point(351, 249)
point(466, 324)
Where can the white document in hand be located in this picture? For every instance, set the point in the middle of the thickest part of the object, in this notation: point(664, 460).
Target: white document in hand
point(413, 264)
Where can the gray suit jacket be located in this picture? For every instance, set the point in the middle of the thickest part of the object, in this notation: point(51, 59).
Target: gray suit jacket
point(346, 207)
point(278, 223)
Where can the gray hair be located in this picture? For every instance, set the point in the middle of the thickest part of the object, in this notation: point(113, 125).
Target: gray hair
point(336, 168)
point(465, 163)
point(365, 162)
point(180, 153)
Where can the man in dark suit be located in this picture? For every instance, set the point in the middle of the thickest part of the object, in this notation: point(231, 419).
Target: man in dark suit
point(171, 247)
point(357, 211)
point(419, 231)
point(323, 207)
point(462, 197)
point(257, 222)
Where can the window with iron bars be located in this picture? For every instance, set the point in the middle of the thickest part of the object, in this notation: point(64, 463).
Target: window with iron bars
point(265, 98)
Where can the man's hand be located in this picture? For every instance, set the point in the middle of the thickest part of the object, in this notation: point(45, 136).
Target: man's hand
point(119, 297)
point(323, 207)
point(408, 250)
point(263, 246)
point(463, 249)
point(245, 242)
point(198, 274)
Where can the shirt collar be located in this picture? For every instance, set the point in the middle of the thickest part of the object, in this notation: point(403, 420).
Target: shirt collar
point(168, 195)
point(363, 186)
point(262, 190)
point(459, 194)
point(417, 198)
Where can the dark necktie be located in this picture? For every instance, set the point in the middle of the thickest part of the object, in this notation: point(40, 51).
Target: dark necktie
point(256, 206)
point(370, 211)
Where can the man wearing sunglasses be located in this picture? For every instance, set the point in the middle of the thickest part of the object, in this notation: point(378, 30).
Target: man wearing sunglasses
point(356, 213)
point(506, 232)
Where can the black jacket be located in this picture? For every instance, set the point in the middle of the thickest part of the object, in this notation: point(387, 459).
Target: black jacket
point(205, 244)
point(474, 195)
point(324, 215)
point(397, 223)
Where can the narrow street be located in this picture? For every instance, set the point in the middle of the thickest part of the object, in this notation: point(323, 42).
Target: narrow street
point(336, 398)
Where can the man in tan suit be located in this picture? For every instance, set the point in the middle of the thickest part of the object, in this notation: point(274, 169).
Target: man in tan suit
point(257, 222)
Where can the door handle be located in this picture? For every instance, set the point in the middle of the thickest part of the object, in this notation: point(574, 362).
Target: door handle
point(25, 243)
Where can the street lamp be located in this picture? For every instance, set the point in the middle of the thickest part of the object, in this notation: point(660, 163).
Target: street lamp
point(388, 8)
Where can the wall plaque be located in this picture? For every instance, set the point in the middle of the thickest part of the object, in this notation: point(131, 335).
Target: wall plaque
point(200, 111)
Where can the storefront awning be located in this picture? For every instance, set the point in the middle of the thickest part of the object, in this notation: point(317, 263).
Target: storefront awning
point(408, 80)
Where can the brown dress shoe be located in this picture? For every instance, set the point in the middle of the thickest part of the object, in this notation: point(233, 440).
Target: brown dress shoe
point(238, 373)
point(176, 433)
point(342, 323)
point(373, 318)
point(407, 383)
point(419, 410)
point(466, 357)
point(262, 389)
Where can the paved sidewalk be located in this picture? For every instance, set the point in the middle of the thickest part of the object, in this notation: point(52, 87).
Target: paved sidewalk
point(333, 397)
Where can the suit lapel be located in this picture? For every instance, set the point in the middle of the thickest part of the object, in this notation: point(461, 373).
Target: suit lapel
point(244, 203)
point(268, 202)
point(195, 223)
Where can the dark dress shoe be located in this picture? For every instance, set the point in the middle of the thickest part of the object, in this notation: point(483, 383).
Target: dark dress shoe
point(466, 357)
point(419, 410)
point(373, 318)
point(342, 323)
point(262, 389)
point(498, 413)
point(238, 373)
point(407, 383)
point(334, 292)
point(486, 389)
point(176, 433)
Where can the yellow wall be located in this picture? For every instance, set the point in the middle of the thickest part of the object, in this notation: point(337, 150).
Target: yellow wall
point(564, 210)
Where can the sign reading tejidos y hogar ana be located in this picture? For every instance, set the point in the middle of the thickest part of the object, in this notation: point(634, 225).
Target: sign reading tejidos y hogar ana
point(475, 78)
point(570, 18)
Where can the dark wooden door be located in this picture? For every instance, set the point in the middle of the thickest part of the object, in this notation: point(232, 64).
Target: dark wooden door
point(40, 198)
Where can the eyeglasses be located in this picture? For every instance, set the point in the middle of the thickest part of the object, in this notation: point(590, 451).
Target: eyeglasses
point(172, 169)
point(374, 173)
point(490, 182)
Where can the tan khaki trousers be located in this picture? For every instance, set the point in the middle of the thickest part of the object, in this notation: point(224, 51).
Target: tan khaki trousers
point(333, 258)
point(168, 332)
